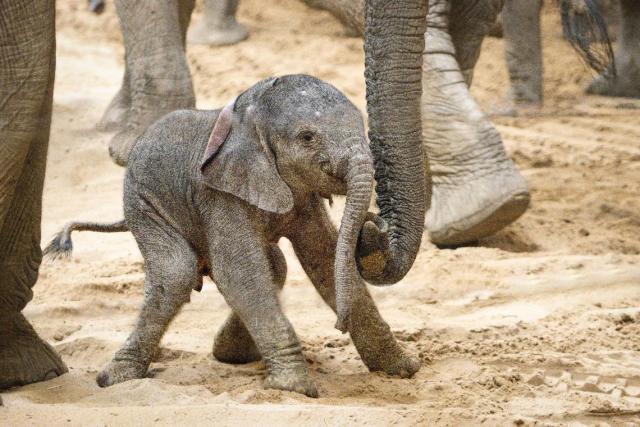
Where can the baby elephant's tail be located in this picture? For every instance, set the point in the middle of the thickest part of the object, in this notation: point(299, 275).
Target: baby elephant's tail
point(61, 245)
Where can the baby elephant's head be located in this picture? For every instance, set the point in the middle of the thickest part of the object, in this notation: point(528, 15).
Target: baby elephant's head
point(285, 138)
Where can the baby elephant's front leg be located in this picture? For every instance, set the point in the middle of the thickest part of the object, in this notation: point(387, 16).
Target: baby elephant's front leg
point(233, 343)
point(242, 273)
point(314, 242)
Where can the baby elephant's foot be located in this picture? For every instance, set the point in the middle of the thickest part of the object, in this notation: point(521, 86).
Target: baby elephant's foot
point(291, 380)
point(233, 344)
point(119, 371)
point(396, 363)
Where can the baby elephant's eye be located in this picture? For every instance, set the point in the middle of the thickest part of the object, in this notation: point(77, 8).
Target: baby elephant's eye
point(306, 136)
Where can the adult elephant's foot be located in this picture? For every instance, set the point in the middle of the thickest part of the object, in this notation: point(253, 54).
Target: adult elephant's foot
point(146, 107)
point(118, 371)
point(115, 116)
point(467, 207)
point(625, 84)
point(24, 357)
point(122, 143)
point(204, 32)
point(233, 344)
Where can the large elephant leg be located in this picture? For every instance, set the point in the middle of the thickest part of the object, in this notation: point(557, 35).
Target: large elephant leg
point(115, 116)
point(477, 189)
point(523, 49)
point(218, 26)
point(627, 57)
point(27, 65)
point(156, 66)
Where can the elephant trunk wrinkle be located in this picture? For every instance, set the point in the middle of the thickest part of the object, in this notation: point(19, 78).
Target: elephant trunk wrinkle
point(394, 43)
point(359, 180)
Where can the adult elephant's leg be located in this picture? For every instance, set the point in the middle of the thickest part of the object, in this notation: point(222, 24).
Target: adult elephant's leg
point(159, 77)
point(477, 189)
point(115, 116)
point(523, 49)
point(27, 64)
point(627, 57)
point(218, 25)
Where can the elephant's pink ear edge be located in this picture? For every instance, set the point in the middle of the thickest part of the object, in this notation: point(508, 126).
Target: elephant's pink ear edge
point(219, 134)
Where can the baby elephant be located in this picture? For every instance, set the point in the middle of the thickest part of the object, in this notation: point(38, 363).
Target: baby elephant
point(212, 192)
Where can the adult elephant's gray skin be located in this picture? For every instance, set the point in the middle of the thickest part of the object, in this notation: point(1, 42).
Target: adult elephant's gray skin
point(477, 189)
point(27, 64)
point(195, 208)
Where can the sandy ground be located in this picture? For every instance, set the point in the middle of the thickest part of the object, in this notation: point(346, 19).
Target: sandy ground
point(538, 324)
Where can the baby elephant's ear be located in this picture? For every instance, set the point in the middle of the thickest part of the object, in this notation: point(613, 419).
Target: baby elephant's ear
point(238, 161)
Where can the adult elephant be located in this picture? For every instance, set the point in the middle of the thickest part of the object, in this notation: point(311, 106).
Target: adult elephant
point(521, 31)
point(27, 63)
point(477, 189)
point(388, 245)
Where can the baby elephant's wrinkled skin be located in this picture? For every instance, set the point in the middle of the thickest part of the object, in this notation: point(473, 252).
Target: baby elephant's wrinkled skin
point(292, 141)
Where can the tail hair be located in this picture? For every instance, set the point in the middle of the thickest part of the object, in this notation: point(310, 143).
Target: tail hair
point(585, 29)
point(61, 245)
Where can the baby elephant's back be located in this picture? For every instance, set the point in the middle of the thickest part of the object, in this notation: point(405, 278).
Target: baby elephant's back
point(167, 156)
point(164, 167)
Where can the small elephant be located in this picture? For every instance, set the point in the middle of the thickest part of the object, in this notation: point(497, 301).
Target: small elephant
point(215, 199)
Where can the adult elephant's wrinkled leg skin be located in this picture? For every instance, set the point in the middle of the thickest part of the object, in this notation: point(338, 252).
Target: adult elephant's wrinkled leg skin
point(218, 25)
point(159, 77)
point(117, 112)
point(27, 66)
point(477, 189)
point(523, 50)
point(233, 343)
point(627, 57)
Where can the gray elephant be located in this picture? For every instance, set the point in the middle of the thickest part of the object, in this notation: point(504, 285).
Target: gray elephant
point(386, 250)
point(618, 77)
point(477, 189)
point(205, 199)
point(27, 66)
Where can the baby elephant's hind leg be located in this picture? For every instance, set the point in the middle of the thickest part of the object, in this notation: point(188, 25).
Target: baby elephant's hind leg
point(233, 344)
point(171, 275)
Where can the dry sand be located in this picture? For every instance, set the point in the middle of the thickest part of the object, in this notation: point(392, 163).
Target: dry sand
point(538, 324)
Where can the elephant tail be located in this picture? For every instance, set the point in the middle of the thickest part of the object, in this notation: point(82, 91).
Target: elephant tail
point(61, 244)
point(584, 26)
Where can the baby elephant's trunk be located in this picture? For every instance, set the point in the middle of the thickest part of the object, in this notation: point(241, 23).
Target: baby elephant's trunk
point(359, 179)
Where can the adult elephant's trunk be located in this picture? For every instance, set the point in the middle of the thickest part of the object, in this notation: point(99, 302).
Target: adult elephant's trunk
point(358, 175)
point(394, 42)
